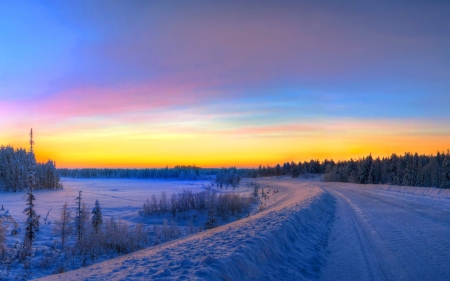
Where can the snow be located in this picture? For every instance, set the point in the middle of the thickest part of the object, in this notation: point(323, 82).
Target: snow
point(120, 199)
point(422, 191)
point(308, 230)
point(284, 241)
point(382, 233)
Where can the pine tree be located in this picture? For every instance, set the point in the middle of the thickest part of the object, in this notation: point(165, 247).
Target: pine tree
point(278, 170)
point(78, 218)
point(352, 171)
point(97, 219)
point(294, 170)
point(374, 172)
point(445, 174)
point(212, 222)
point(32, 223)
point(364, 171)
point(409, 173)
point(393, 170)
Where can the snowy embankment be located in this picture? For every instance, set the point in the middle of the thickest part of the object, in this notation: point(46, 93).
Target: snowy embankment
point(412, 190)
point(285, 240)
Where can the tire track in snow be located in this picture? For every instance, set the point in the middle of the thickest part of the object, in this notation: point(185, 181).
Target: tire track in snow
point(346, 267)
point(408, 235)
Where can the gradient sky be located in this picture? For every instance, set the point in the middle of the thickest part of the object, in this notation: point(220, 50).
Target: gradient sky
point(218, 83)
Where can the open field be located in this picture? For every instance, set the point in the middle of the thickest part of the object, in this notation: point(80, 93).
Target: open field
point(300, 230)
point(119, 199)
point(308, 231)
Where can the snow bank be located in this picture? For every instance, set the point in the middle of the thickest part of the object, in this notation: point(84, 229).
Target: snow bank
point(412, 190)
point(289, 247)
point(284, 242)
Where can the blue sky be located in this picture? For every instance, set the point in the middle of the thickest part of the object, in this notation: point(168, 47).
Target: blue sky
point(231, 70)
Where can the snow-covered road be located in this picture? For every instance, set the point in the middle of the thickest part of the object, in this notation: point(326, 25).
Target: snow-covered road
point(384, 235)
point(309, 230)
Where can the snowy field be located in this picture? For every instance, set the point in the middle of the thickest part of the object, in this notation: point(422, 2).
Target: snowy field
point(119, 199)
point(306, 231)
point(302, 230)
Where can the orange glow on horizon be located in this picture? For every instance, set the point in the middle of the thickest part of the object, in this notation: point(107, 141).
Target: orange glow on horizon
point(270, 145)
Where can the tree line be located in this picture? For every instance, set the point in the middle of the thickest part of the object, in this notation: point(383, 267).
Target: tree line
point(304, 169)
point(178, 172)
point(14, 164)
point(227, 176)
point(408, 169)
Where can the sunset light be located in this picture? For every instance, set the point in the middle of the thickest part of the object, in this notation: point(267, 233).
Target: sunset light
point(157, 84)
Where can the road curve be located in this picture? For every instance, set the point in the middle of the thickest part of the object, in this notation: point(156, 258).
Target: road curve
point(385, 235)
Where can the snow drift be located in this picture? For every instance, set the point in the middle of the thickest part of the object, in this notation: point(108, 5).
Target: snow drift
point(285, 241)
point(433, 192)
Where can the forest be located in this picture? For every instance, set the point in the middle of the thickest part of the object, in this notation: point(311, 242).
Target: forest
point(222, 177)
point(178, 172)
point(408, 169)
point(14, 165)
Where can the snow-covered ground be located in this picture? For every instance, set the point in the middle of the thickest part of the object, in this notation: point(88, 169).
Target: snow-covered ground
point(388, 233)
point(284, 241)
point(422, 191)
point(119, 199)
point(307, 231)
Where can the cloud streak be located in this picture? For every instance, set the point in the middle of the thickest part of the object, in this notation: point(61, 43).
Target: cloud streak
point(225, 79)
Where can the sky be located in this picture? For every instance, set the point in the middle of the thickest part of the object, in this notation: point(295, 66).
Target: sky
point(221, 83)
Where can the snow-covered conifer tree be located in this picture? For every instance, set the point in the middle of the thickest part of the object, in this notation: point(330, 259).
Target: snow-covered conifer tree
point(364, 170)
point(97, 219)
point(212, 222)
point(32, 223)
point(78, 218)
point(373, 173)
point(278, 170)
point(294, 170)
point(445, 175)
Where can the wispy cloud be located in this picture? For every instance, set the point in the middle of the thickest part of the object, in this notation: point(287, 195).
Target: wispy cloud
point(225, 79)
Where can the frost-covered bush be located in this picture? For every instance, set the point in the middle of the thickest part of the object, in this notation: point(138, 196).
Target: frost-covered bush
point(63, 226)
point(3, 229)
point(224, 204)
point(114, 236)
point(97, 238)
point(232, 204)
point(170, 231)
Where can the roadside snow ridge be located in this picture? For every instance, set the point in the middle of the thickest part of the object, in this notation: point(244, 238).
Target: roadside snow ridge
point(285, 241)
